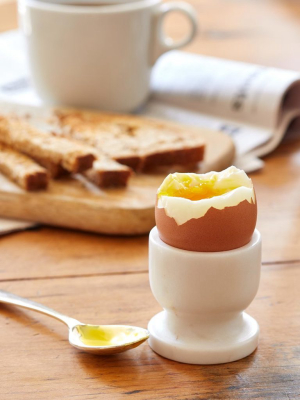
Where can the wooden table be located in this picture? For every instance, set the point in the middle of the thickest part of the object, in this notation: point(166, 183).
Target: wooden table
point(104, 280)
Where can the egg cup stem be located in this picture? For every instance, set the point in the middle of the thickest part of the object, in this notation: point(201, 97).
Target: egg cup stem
point(204, 295)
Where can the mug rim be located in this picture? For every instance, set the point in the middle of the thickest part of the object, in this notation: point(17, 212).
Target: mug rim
point(91, 9)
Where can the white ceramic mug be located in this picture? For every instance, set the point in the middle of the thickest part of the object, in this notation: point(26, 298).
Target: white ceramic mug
point(97, 56)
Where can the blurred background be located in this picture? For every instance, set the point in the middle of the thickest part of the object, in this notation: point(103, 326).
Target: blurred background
point(266, 32)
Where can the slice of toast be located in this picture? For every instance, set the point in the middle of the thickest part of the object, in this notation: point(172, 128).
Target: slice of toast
point(108, 173)
point(139, 143)
point(56, 154)
point(22, 169)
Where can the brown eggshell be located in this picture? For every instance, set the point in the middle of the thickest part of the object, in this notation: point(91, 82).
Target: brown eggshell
point(217, 230)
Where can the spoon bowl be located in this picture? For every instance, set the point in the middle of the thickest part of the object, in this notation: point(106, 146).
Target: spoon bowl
point(106, 339)
point(96, 339)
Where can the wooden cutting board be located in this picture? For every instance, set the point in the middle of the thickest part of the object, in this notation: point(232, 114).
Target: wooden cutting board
point(76, 203)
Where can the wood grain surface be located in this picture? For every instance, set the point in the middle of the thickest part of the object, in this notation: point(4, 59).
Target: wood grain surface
point(102, 279)
point(38, 362)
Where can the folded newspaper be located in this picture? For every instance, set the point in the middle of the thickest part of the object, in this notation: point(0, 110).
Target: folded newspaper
point(253, 104)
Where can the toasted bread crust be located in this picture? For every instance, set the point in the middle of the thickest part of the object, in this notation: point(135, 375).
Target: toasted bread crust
point(48, 150)
point(119, 143)
point(106, 179)
point(175, 157)
point(108, 173)
point(55, 171)
point(22, 169)
point(139, 143)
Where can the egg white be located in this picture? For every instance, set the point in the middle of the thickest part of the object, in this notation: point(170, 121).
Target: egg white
point(182, 210)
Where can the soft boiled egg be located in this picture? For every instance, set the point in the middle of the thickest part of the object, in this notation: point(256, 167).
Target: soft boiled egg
point(216, 211)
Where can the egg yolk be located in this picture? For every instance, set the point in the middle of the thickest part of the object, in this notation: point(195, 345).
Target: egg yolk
point(203, 190)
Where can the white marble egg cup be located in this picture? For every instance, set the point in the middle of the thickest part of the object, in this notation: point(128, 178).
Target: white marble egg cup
point(204, 296)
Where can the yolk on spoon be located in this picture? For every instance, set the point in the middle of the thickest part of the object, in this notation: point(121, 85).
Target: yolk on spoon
point(106, 336)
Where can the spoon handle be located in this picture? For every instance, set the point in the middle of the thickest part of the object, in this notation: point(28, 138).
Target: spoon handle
point(9, 298)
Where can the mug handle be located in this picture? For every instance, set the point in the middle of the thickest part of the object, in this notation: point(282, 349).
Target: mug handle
point(162, 43)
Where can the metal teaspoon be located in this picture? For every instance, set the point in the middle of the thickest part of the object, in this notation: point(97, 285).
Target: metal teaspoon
point(97, 339)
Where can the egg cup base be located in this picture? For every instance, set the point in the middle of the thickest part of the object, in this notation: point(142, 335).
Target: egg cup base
point(203, 348)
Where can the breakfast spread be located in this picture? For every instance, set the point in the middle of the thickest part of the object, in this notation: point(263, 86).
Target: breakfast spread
point(204, 267)
point(110, 197)
point(208, 212)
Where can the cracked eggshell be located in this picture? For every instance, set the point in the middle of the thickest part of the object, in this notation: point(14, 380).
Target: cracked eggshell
point(218, 230)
